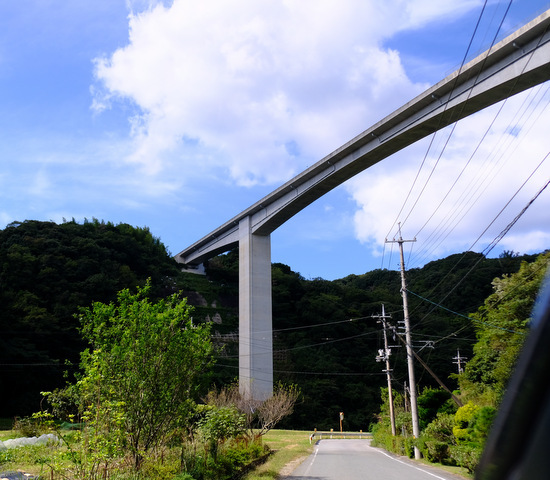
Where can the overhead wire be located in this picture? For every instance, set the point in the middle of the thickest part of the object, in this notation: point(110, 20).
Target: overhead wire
point(538, 166)
point(453, 128)
point(469, 318)
point(432, 137)
point(301, 347)
point(291, 372)
point(485, 252)
point(491, 245)
point(483, 178)
point(457, 212)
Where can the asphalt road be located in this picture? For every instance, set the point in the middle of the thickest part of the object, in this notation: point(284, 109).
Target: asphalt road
point(356, 459)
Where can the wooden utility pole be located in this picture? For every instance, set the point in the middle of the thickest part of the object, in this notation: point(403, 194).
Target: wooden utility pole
point(384, 355)
point(410, 353)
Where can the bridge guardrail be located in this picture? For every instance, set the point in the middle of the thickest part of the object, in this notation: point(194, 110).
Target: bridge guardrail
point(338, 435)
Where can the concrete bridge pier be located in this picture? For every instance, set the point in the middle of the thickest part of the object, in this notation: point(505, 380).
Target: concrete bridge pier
point(255, 315)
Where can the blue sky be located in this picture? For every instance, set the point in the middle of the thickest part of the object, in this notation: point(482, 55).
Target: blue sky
point(179, 115)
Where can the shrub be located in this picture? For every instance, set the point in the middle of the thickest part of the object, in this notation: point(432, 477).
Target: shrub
point(435, 451)
point(436, 439)
point(30, 427)
point(463, 418)
point(466, 456)
point(481, 423)
point(398, 444)
point(220, 424)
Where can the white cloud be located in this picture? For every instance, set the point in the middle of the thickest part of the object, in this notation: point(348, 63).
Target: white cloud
point(475, 178)
point(252, 92)
point(263, 88)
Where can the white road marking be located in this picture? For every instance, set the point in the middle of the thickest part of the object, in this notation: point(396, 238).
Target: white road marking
point(408, 464)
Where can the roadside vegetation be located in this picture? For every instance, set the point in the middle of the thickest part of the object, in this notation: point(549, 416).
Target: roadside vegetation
point(133, 362)
point(285, 450)
point(131, 411)
point(455, 434)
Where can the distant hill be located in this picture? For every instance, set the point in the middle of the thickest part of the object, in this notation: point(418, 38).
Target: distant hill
point(325, 336)
point(46, 272)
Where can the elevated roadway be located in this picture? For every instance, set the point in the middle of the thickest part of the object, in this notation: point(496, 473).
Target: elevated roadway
point(515, 64)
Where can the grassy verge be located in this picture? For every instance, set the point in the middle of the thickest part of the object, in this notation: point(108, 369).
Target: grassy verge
point(292, 447)
point(289, 446)
point(22, 458)
point(460, 471)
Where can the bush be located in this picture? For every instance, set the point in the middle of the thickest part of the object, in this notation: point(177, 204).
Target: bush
point(441, 428)
point(481, 423)
point(466, 456)
point(436, 439)
point(183, 476)
point(232, 459)
point(30, 427)
point(434, 451)
point(398, 444)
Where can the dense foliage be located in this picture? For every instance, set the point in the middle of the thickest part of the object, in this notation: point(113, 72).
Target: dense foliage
point(135, 399)
point(457, 435)
point(144, 366)
point(501, 328)
point(326, 334)
point(47, 271)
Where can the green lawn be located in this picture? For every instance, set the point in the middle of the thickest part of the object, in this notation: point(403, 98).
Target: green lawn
point(289, 446)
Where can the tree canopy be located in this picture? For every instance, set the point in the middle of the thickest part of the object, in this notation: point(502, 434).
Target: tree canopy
point(47, 271)
point(143, 370)
point(325, 336)
point(501, 325)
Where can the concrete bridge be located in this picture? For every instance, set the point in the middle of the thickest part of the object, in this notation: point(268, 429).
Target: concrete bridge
point(517, 63)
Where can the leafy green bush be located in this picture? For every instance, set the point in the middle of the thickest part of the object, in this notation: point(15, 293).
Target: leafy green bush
point(219, 424)
point(436, 439)
point(183, 476)
point(466, 456)
point(29, 427)
point(434, 451)
point(382, 437)
point(431, 402)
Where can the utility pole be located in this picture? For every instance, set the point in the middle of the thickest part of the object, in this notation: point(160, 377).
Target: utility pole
point(458, 362)
point(408, 341)
point(384, 355)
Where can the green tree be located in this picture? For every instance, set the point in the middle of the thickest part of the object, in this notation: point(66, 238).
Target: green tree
point(220, 424)
point(142, 371)
point(501, 327)
point(431, 402)
point(47, 271)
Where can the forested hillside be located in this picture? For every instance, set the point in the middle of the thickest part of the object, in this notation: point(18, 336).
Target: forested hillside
point(325, 336)
point(47, 271)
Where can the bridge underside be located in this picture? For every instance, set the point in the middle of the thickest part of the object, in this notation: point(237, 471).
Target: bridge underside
point(515, 64)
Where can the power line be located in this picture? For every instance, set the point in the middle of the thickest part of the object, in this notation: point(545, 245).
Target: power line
point(302, 347)
point(455, 124)
point(464, 316)
point(444, 226)
point(433, 135)
point(339, 374)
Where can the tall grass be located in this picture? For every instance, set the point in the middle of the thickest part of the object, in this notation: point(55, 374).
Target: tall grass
point(289, 447)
